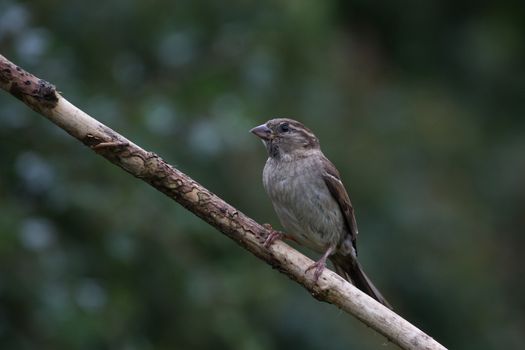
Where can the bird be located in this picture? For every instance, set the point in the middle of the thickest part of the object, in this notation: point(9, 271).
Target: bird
point(311, 201)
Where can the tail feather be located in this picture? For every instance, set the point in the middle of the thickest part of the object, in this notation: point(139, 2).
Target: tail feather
point(350, 269)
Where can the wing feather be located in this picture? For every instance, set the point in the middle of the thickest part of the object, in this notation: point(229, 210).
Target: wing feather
point(337, 189)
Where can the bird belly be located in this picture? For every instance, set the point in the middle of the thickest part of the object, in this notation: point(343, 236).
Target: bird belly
point(305, 208)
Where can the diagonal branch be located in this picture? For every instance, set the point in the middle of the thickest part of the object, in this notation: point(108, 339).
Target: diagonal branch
point(42, 97)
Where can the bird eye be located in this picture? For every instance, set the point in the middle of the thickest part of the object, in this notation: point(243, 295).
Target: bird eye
point(284, 127)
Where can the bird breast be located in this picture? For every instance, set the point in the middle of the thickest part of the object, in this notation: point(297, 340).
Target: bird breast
point(303, 203)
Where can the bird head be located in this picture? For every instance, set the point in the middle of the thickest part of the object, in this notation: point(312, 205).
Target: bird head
point(286, 137)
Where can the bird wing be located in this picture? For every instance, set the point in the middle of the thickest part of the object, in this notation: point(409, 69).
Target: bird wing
point(337, 189)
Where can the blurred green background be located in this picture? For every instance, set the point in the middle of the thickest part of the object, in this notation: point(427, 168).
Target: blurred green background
point(419, 104)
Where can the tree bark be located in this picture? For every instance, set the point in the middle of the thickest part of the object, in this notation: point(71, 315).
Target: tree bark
point(42, 97)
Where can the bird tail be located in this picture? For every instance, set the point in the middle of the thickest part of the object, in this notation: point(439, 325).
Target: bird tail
point(350, 269)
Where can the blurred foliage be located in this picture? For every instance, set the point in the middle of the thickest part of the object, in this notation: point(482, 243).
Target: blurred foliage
point(419, 104)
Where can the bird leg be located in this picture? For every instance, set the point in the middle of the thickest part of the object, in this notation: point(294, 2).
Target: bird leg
point(275, 236)
point(320, 264)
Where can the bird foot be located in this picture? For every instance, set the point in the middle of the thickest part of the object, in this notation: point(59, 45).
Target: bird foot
point(273, 236)
point(320, 265)
point(318, 268)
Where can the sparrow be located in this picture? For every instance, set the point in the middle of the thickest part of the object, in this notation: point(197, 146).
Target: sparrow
point(310, 200)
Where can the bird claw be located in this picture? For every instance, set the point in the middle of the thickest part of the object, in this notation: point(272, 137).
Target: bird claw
point(272, 237)
point(320, 265)
point(318, 268)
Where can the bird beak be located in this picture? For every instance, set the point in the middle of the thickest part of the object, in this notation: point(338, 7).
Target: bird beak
point(262, 131)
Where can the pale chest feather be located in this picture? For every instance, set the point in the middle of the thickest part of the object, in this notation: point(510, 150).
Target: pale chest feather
point(303, 202)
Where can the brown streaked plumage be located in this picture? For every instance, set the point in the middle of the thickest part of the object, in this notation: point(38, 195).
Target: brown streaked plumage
point(310, 200)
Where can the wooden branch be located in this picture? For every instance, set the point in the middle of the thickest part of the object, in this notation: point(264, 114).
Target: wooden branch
point(147, 166)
